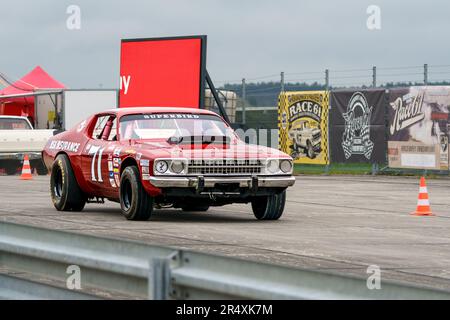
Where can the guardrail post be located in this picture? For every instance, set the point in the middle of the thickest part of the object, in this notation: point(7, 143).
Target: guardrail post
point(159, 277)
point(157, 283)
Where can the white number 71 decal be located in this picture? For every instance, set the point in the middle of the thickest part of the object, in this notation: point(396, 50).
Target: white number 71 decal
point(94, 150)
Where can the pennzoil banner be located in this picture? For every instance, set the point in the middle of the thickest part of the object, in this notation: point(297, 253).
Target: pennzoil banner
point(357, 121)
point(418, 128)
point(303, 125)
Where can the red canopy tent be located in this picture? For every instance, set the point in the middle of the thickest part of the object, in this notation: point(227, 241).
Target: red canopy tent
point(11, 101)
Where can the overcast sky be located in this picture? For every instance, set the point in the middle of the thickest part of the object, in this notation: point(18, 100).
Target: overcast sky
point(246, 38)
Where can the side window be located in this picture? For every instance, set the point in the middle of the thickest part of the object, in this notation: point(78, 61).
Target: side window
point(99, 125)
point(105, 128)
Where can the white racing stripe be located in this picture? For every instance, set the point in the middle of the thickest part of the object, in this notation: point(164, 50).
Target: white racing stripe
point(99, 165)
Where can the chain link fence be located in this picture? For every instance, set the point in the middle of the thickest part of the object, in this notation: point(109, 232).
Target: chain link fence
point(257, 99)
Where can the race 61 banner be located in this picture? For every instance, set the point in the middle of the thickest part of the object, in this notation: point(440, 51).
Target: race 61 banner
point(418, 127)
point(303, 125)
point(357, 126)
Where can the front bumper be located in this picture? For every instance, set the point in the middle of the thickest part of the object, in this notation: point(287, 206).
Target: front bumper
point(18, 156)
point(251, 182)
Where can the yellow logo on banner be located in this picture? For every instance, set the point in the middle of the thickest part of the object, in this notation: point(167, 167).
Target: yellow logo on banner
point(303, 125)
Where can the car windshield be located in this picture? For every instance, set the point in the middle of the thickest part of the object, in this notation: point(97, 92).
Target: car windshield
point(14, 124)
point(168, 125)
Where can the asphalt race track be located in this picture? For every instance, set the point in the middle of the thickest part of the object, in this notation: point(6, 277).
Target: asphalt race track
point(338, 223)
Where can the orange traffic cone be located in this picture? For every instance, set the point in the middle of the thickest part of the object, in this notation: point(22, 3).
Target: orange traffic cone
point(423, 204)
point(26, 169)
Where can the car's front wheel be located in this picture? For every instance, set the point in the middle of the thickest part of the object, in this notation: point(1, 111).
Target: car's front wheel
point(269, 207)
point(135, 203)
point(65, 192)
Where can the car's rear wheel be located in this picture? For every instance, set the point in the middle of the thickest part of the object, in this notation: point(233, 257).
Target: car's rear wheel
point(199, 208)
point(135, 203)
point(269, 207)
point(65, 192)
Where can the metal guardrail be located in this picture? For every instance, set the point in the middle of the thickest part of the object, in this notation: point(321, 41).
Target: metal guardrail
point(20, 289)
point(112, 268)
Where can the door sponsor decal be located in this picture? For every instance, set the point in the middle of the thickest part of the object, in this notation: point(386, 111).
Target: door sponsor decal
point(64, 145)
point(116, 162)
point(110, 166)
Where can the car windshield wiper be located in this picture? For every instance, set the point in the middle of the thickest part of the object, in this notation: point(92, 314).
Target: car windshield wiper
point(199, 139)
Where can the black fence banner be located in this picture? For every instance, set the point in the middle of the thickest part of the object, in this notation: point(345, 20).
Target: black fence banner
point(357, 126)
point(418, 127)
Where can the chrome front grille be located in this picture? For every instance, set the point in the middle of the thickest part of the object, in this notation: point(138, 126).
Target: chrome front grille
point(316, 136)
point(225, 167)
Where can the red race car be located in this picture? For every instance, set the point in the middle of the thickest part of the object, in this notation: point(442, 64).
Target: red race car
point(151, 157)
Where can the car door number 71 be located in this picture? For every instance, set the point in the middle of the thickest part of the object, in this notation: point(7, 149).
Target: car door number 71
point(96, 152)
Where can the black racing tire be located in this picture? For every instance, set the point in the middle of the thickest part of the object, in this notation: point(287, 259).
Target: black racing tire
point(269, 207)
point(198, 208)
point(65, 193)
point(41, 168)
point(135, 202)
point(11, 169)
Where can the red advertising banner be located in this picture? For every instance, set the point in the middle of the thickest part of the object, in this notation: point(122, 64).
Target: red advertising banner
point(164, 72)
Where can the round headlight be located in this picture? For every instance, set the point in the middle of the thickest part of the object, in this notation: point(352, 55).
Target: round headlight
point(286, 166)
point(272, 166)
point(161, 166)
point(177, 166)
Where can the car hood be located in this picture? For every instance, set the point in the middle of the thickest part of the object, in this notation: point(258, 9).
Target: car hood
point(238, 150)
